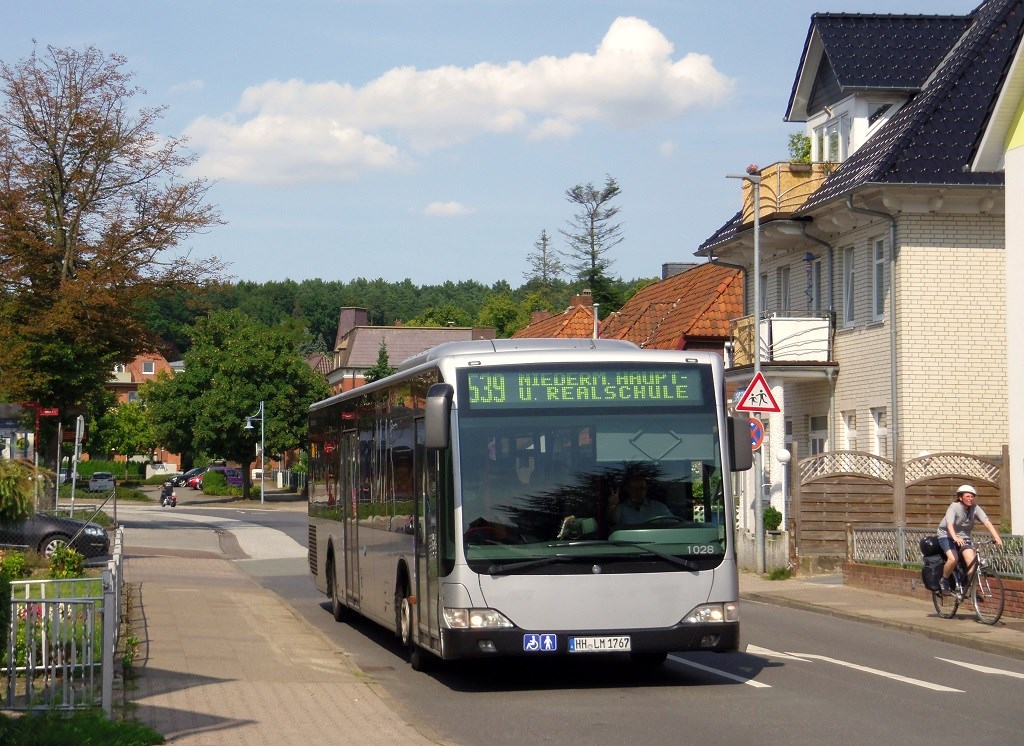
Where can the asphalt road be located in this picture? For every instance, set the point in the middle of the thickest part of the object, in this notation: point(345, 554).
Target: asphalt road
point(803, 678)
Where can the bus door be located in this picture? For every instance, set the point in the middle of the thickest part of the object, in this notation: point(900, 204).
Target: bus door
point(426, 521)
point(350, 514)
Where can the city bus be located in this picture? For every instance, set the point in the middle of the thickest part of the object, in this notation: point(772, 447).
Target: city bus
point(475, 501)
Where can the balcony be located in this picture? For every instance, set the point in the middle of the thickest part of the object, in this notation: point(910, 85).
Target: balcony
point(786, 336)
point(785, 188)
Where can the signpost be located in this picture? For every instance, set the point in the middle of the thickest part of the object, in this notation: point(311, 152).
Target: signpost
point(756, 433)
point(758, 397)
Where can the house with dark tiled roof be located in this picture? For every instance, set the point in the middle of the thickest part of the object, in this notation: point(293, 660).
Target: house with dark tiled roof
point(689, 310)
point(881, 316)
point(357, 345)
point(1000, 147)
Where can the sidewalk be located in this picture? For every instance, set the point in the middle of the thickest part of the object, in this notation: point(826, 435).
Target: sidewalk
point(222, 660)
point(827, 595)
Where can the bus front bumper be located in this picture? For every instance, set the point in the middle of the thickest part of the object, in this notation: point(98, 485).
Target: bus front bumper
point(721, 637)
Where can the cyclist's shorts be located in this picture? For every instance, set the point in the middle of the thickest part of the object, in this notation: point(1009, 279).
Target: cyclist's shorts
point(947, 543)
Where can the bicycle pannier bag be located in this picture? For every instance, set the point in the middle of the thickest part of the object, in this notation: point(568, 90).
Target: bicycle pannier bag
point(931, 573)
point(930, 546)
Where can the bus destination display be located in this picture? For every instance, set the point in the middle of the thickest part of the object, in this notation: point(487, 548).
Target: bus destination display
point(499, 389)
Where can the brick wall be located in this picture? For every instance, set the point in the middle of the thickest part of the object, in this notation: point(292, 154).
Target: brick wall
point(907, 582)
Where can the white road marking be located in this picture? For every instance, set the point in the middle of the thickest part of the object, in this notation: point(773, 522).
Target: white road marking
point(756, 650)
point(984, 669)
point(877, 672)
point(717, 672)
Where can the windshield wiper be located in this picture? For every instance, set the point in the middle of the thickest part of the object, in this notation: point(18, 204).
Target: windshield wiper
point(497, 569)
point(671, 559)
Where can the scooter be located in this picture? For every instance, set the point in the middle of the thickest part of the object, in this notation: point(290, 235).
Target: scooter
point(167, 496)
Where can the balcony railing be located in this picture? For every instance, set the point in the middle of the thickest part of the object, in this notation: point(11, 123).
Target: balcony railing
point(785, 187)
point(786, 336)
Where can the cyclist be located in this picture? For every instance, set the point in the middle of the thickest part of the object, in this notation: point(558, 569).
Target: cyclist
point(955, 530)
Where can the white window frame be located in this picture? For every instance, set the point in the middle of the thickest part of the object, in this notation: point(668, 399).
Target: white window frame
point(148, 367)
point(880, 434)
point(816, 284)
point(119, 368)
point(817, 434)
point(782, 278)
point(878, 279)
point(849, 287)
point(763, 300)
point(850, 429)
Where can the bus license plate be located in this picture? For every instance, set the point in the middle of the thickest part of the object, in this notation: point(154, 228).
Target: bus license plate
point(610, 644)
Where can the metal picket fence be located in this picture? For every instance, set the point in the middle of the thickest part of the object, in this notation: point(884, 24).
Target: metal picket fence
point(62, 639)
point(900, 546)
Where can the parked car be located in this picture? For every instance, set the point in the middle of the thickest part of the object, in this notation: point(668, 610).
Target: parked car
point(44, 532)
point(101, 481)
point(181, 480)
point(233, 476)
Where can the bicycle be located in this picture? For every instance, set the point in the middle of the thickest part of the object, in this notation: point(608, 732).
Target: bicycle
point(978, 582)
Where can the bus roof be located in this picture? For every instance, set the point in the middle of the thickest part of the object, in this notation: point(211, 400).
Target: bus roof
point(483, 346)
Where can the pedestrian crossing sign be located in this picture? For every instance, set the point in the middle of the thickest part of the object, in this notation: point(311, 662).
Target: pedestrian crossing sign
point(758, 397)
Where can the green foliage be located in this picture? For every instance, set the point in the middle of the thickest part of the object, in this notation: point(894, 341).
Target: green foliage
point(130, 649)
point(772, 519)
point(382, 368)
point(55, 728)
point(502, 312)
point(799, 148)
point(13, 565)
point(16, 493)
point(5, 608)
point(66, 563)
point(235, 363)
point(446, 314)
point(214, 483)
point(780, 573)
point(126, 429)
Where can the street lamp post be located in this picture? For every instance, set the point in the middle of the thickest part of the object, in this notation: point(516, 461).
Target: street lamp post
point(755, 182)
point(248, 426)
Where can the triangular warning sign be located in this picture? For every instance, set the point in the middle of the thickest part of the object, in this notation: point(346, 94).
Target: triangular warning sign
point(758, 397)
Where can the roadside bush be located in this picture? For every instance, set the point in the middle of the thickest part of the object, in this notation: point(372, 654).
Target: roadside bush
point(66, 563)
point(772, 519)
point(216, 484)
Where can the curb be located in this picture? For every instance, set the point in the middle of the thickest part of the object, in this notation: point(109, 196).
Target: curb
point(985, 646)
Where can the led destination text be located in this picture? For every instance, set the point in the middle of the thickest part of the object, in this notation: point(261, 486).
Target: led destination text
point(532, 388)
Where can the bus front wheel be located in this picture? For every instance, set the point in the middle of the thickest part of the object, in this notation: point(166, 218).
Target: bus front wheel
point(418, 657)
point(339, 609)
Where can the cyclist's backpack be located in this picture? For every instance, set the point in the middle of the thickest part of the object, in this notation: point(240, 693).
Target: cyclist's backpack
point(930, 546)
point(931, 573)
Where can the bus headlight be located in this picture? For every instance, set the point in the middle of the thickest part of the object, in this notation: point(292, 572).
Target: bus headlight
point(475, 619)
point(712, 613)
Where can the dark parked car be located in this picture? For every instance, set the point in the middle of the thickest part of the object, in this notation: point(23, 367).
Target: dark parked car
point(44, 532)
point(182, 479)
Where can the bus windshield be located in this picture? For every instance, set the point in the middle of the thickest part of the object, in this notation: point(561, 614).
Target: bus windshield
point(605, 464)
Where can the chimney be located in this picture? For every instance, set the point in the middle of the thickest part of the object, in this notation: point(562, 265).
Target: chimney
point(540, 316)
point(671, 269)
point(350, 318)
point(583, 299)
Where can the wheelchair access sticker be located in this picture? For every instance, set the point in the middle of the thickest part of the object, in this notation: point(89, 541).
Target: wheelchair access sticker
point(534, 643)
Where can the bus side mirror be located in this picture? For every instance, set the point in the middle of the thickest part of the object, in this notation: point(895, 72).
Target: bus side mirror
point(438, 416)
point(741, 454)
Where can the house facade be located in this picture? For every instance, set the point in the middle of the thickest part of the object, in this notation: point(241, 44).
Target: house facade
point(125, 380)
point(1001, 147)
point(881, 321)
point(357, 345)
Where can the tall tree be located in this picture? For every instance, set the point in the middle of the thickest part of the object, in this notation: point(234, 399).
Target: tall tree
point(92, 210)
point(235, 363)
point(126, 429)
point(545, 266)
point(382, 368)
point(591, 234)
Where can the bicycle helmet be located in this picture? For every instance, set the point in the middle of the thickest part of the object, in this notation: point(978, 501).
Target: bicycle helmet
point(966, 488)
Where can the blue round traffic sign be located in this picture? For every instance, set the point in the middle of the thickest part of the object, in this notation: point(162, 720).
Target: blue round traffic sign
point(756, 433)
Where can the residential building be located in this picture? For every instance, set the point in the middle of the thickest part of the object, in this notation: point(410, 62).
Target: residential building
point(357, 345)
point(125, 380)
point(1001, 148)
point(575, 322)
point(881, 320)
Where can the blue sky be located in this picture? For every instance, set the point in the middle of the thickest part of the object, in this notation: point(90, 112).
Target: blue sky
point(434, 139)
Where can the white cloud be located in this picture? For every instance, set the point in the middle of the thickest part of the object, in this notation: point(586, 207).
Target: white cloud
point(188, 86)
point(292, 130)
point(447, 209)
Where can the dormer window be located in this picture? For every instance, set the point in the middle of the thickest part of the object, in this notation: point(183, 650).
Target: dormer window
point(832, 140)
point(119, 368)
point(148, 367)
point(876, 112)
